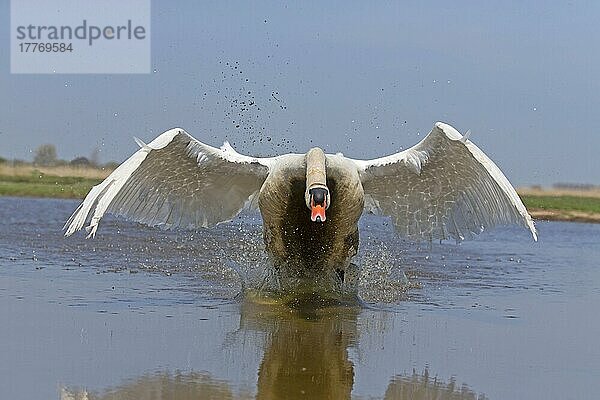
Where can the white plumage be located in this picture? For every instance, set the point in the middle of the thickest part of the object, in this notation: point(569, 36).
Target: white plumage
point(443, 187)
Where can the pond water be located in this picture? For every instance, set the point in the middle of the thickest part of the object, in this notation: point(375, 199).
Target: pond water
point(140, 313)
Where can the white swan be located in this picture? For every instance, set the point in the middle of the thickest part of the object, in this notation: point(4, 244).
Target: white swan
point(443, 187)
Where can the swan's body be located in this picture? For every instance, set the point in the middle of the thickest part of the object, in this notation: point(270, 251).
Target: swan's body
point(443, 187)
point(298, 246)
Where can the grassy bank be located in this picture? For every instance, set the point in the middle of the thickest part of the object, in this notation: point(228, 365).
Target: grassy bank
point(566, 203)
point(57, 182)
point(563, 208)
point(72, 182)
point(562, 204)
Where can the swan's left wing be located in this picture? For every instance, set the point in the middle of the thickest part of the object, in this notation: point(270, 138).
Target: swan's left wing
point(175, 181)
point(443, 187)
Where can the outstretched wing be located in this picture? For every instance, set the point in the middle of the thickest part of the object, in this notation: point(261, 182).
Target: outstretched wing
point(175, 181)
point(443, 187)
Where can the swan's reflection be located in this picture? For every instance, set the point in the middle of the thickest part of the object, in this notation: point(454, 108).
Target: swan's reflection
point(305, 357)
point(424, 387)
point(306, 354)
point(161, 386)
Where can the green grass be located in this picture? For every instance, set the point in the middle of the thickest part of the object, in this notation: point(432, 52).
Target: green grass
point(566, 203)
point(40, 185)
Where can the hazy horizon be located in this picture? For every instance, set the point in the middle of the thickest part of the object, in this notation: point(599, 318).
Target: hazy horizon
point(363, 79)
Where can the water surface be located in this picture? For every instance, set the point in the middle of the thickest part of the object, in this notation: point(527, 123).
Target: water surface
point(140, 313)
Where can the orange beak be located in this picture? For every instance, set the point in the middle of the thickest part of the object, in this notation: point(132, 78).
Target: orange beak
point(317, 213)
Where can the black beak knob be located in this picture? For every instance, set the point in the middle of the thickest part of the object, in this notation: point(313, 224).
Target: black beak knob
point(318, 195)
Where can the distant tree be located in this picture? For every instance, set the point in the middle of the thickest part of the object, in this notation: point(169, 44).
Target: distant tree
point(45, 155)
point(80, 162)
point(95, 157)
point(2, 160)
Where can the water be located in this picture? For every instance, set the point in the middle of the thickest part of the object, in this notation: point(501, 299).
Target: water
point(139, 313)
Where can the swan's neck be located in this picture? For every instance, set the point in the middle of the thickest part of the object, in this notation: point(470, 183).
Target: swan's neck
point(315, 171)
point(315, 168)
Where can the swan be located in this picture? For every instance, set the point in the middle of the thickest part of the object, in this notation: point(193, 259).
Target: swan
point(443, 187)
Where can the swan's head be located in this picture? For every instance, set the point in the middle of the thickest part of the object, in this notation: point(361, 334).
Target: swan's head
point(318, 201)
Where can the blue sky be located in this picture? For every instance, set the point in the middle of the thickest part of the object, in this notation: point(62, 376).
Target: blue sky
point(363, 78)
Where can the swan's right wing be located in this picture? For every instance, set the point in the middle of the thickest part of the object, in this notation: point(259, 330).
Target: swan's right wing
point(175, 181)
point(443, 187)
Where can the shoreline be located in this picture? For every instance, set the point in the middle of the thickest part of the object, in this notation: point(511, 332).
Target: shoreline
point(67, 182)
point(537, 214)
point(564, 216)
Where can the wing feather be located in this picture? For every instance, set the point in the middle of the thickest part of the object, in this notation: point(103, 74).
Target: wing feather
point(443, 187)
point(174, 181)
